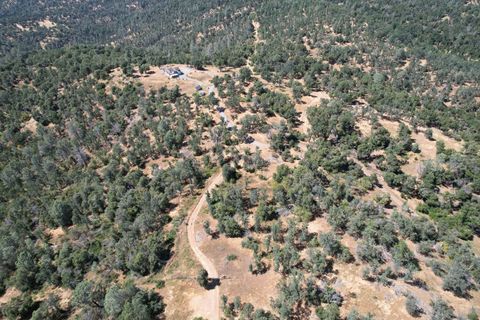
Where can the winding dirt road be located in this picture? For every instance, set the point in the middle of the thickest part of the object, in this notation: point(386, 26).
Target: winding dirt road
point(214, 294)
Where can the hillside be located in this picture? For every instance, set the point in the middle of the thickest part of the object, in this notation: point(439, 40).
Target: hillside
point(239, 160)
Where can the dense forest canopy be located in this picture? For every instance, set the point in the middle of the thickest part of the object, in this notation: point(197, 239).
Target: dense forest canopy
point(84, 211)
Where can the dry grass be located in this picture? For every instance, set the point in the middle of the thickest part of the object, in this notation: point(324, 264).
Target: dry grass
point(55, 235)
point(181, 287)
point(156, 78)
point(387, 302)
point(47, 23)
point(236, 280)
point(313, 100)
point(30, 125)
point(319, 225)
point(11, 293)
point(64, 295)
point(185, 299)
point(22, 28)
point(428, 149)
point(180, 274)
point(364, 127)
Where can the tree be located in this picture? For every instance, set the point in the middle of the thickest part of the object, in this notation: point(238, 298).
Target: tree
point(26, 268)
point(457, 279)
point(472, 315)
point(197, 61)
point(412, 307)
point(247, 311)
point(49, 309)
point(367, 251)
point(230, 227)
point(403, 257)
point(265, 212)
point(129, 302)
point(429, 134)
point(245, 74)
point(206, 227)
point(115, 298)
point(404, 139)
point(338, 217)
point(88, 294)
point(202, 278)
point(330, 312)
point(317, 263)
point(61, 213)
point(330, 119)
point(297, 90)
point(441, 310)
point(330, 243)
point(229, 173)
point(257, 266)
point(20, 307)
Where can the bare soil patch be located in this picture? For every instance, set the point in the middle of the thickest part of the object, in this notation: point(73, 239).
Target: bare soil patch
point(236, 280)
point(30, 125)
point(63, 293)
point(47, 23)
point(364, 127)
point(11, 293)
point(319, 225)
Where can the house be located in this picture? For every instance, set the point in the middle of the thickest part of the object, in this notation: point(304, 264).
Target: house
point(198, 87)
point(173, 72)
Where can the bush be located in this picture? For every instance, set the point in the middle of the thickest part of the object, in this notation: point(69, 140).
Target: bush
point(330, 243)
point(229, 173)
point(50, 309)
point(129, 302)
point(457, 280)
point(202, 278)
point(160, 284)
point(403, 257)
point(441, 310)
point(429, 134)
point(368, 252)
point(425, 248)
point(412, 306)
point(329, 312)
point(472, 315)
point(20, 307)
point(231, 257)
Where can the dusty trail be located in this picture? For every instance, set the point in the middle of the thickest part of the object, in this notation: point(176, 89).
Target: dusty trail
point(214, 294)
point(256, 41)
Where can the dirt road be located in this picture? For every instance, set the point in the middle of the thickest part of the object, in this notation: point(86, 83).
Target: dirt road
point(214, 294)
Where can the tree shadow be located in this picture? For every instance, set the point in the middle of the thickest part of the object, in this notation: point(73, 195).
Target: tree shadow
point(212, 283)
point(419, 283)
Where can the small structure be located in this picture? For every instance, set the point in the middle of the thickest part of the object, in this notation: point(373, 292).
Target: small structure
point(198, 87)
point(172, 72)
